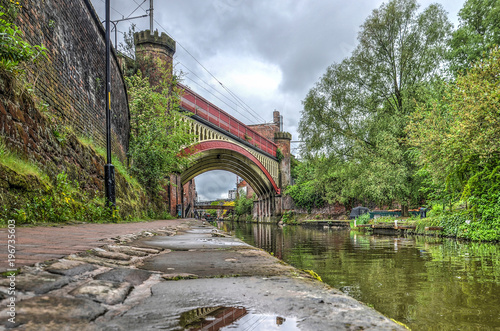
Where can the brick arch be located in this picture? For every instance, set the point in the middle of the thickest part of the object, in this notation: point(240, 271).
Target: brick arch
point(224, 155)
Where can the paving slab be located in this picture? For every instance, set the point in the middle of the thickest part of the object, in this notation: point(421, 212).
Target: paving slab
point(196, 238)
point(39, 283)
point(223, 263)
point(310, 304)
point(70, 268)
point(110, 293)
point(120, 275)
point(38, 312)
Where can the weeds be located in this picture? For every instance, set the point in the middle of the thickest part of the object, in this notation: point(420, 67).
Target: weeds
point(15, 162)
point(63, 203)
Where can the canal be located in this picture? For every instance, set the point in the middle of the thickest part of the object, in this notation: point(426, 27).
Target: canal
point(427, 283)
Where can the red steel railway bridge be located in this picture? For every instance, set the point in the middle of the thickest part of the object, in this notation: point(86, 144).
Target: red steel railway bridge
point(260, 154)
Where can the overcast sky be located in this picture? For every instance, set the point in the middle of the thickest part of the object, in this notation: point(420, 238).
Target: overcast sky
point(268, 53)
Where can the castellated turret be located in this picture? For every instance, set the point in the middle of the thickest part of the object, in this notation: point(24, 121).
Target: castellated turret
point(151, 47)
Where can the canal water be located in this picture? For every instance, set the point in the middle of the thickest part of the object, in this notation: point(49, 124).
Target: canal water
point(427, 283)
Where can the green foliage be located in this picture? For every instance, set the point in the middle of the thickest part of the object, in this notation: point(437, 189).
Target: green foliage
point(60, 135)
point(119, 166)
point(307, 192)
point(64, 202)
point(243, 205)
point(158, 130)
point(457, 137)
point(288, 217)
point(382, 126)
point(127, 47)
point(314, 275)
point(13, 49)
point(477, 33)
point(20, 165)
point(158, 215)
point(279, 155)
point(354, 117)
point(363, 219)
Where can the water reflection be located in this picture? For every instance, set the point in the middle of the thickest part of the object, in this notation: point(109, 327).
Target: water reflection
point(427, 283)
point(210, 318)
point(233, 318)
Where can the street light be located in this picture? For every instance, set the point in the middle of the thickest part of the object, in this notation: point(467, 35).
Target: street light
point(109, 169)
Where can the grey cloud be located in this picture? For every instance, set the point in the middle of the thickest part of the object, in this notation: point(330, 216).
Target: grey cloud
point(301, 37)
point(215, 184)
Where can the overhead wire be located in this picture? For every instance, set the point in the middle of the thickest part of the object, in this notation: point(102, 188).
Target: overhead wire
point(223, 95)
point(242, 104)
point(218, 98)
point(113, 9)
point(238, 100)
point(140, 6)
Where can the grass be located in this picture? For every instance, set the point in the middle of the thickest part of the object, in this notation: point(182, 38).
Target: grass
point(120, 167)
point(18, 164)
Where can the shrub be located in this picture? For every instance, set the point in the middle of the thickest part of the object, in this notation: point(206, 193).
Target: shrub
point(363, 219)
point(13, 49)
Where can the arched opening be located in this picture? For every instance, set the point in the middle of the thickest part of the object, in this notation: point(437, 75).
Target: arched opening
point(223, 155)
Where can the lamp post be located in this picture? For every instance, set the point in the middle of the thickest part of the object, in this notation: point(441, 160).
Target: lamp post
point(109, 169)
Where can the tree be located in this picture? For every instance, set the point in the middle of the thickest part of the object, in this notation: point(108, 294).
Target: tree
point(308, 190)
point(159, 132)
point(243, 205)
point(477, 33)
point(357, 112)
point(457, 134)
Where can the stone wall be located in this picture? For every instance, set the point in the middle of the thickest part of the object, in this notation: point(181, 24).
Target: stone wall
point(67, 102)
point(71, 81)
point(31, 134)
point(329, 211)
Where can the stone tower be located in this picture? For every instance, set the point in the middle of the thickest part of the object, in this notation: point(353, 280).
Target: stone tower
point(153, 51)
point(154, 55)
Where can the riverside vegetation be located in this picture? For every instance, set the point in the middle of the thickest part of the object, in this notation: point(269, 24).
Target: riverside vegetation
point(411, 118)
point(41, 194)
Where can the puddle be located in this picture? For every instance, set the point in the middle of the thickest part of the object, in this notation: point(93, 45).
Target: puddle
point(233, 318)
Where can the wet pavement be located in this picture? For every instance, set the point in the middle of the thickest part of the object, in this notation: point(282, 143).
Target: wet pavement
point(187, 277)
point(42, 243)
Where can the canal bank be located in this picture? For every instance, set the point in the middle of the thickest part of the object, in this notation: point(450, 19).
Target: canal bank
point(428, 283)
point(182, 277)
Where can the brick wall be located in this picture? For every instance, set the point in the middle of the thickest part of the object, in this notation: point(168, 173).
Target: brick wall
point(266, 130)
point(72, 80)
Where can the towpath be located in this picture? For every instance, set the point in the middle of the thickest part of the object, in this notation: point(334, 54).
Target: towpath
point(172, 275)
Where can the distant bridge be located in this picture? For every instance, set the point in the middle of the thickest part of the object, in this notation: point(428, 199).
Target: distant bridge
point(207, 207)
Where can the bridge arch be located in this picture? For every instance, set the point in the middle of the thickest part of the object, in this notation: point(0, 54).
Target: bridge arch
point(225, 155)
